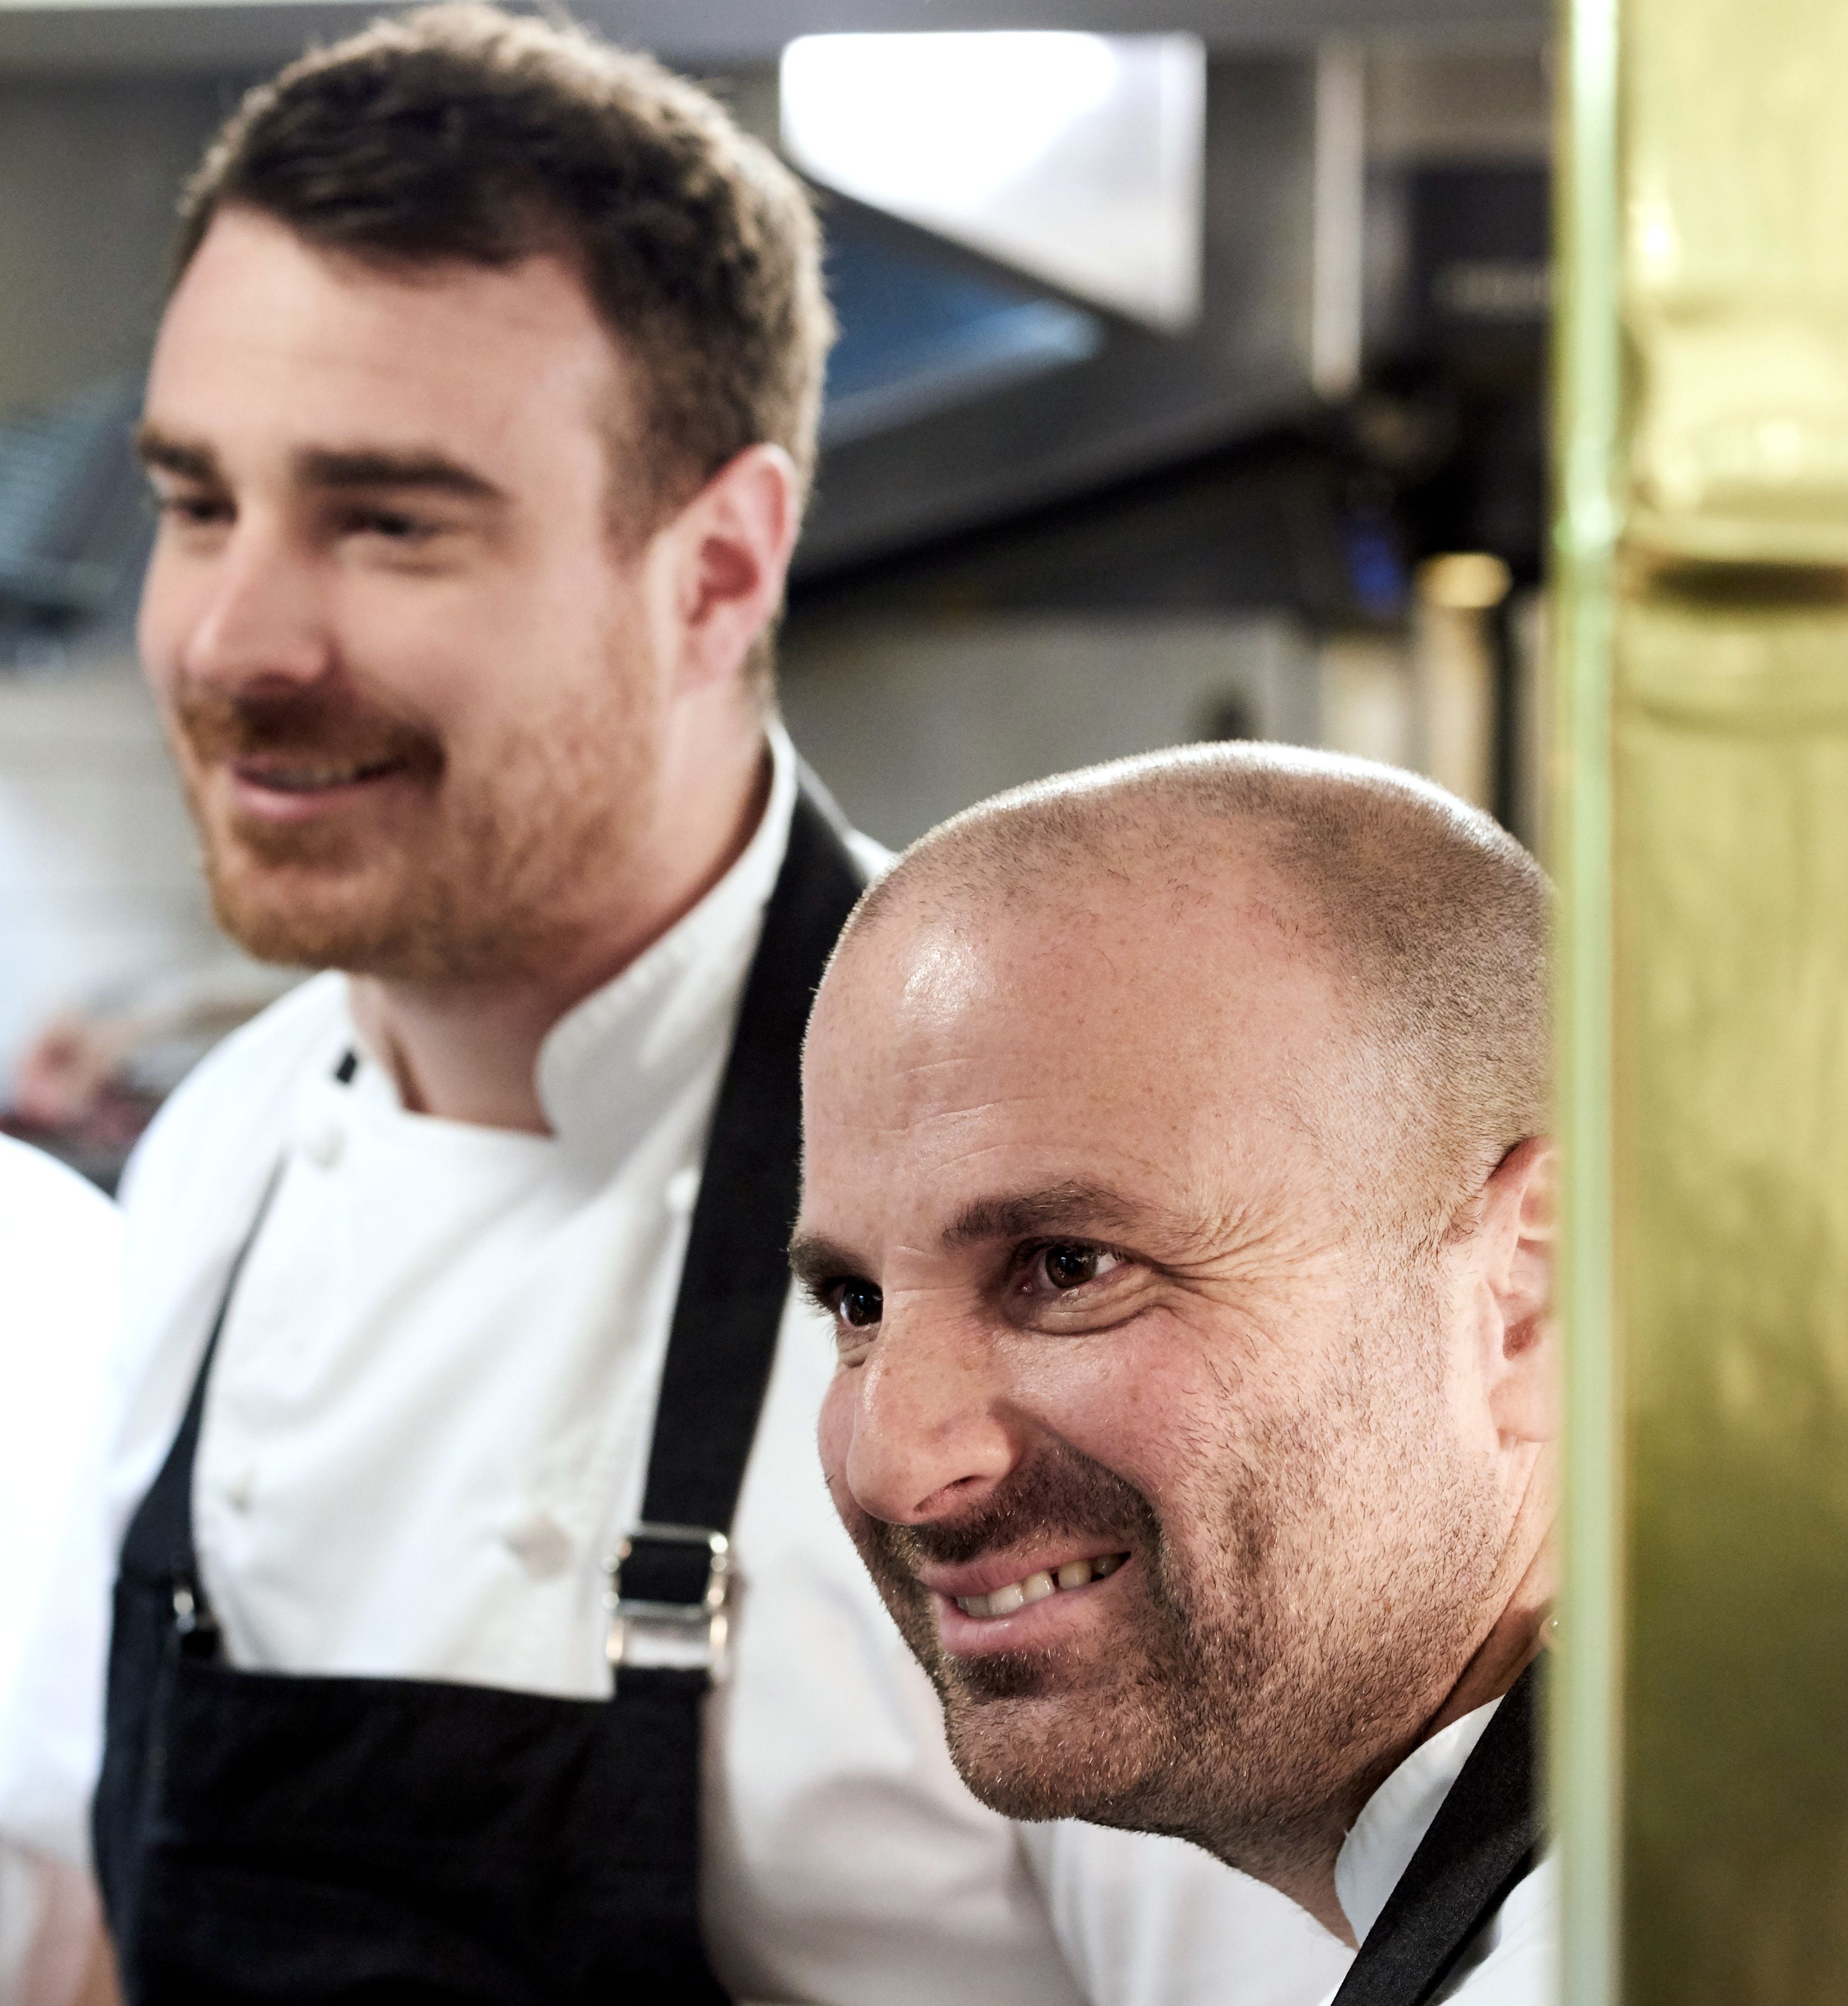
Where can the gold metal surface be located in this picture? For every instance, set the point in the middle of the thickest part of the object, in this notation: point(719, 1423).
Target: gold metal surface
point(1703, 852)
point(1735, 283)
point(1731, 792)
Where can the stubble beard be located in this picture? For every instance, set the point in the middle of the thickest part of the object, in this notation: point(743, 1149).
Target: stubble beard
point(473, 885)
point(1238, 1706)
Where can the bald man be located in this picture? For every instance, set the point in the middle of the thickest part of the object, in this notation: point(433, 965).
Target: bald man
point(1178, 1185)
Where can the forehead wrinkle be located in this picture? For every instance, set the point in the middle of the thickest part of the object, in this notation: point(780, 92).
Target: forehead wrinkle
point(945, 1020)
point(922, 1107)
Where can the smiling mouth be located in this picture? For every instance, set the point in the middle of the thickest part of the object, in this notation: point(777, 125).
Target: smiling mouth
point(1036, 1587)
point(310, 779)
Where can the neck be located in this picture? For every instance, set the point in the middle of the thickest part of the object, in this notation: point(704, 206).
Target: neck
point(468, 1051)
point(1526, 1585)
point(1303, 1869)
point(1516, 1641)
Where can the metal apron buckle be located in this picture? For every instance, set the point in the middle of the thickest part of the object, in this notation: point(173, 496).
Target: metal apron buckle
point(678, 1636)
point(195, 1628)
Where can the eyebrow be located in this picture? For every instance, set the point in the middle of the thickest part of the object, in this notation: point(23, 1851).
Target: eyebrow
point(326, 468)
point(1077, 1208)
point(318, 467)
point(1073, 1207)
point(814, 1260)
point(155, 448)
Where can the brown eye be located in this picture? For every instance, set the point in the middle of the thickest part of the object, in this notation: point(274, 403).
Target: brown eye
point(1068, 1267)
point(859, 1304)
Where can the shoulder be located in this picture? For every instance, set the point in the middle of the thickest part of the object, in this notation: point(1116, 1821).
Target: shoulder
point(188, 1197)
point(191, 1187)
point(275, 1044)
point(49, 1211)
point(62, 1242)
point(232, 1106)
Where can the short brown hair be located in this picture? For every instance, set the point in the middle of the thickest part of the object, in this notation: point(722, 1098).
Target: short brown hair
point(460, 131)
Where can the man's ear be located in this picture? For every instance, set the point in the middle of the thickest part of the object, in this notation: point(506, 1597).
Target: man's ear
point(730, 553)
point(1517, 1235)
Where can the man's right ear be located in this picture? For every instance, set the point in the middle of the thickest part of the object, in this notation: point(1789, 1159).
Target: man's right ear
point(1519, 1229)
point(731, 546)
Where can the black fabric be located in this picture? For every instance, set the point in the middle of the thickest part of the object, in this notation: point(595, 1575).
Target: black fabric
point(1485, 1839)
point(264, 1839)
point(738, 1251)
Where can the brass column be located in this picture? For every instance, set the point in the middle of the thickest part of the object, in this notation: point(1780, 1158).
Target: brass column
point(1700, 1763)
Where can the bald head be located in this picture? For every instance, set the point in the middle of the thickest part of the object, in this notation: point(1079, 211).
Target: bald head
point(1173, 1184)
point(1429, 921)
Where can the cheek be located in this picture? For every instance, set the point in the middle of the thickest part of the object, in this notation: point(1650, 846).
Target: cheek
point(455, 657)
point(550, 654)
point(1141, 1408)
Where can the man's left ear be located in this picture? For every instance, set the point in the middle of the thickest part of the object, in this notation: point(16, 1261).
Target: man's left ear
point(733, 542)
point(1517, 1233)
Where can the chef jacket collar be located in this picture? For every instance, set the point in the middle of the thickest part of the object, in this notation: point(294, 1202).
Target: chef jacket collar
point(608, 1068)
point(1395, 1819)
point(609, 1062)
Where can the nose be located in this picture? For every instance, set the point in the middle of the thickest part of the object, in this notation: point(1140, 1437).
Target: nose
point(932, 1429)
point(256, 612)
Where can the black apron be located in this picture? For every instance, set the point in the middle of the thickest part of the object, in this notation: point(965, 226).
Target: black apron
point(261, 1837)
point(1485, 1839)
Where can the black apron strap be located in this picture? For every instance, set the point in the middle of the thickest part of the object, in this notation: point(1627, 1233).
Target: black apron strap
point(1484, 1839)
point(162, 1533)
point(672, 1569)
point(162, 1528)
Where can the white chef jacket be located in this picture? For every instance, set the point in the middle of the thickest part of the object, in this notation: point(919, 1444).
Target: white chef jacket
point(60, 1263)
point(60, 1301)
point(1514, 1959)
point(428, 1422)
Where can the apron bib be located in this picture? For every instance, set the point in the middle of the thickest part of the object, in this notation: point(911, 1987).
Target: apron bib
point(261, 1837)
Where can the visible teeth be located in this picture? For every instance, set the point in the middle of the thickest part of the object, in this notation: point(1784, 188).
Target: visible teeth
point(305, 780)
point(1036, 1587)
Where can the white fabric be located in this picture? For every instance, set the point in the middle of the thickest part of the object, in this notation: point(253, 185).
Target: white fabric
point(1146, 1919)
point(60, 1256)
point(1514, 1959)
point(428, 1422)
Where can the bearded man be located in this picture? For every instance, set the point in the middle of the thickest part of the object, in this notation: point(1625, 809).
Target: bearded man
point(482, 1632)
point(1176, 1178)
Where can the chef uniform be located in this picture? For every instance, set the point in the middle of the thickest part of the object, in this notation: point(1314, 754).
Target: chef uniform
point(367, 1631)
point(1443, 1878)
point(59, 1258)
point(60, 1302)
